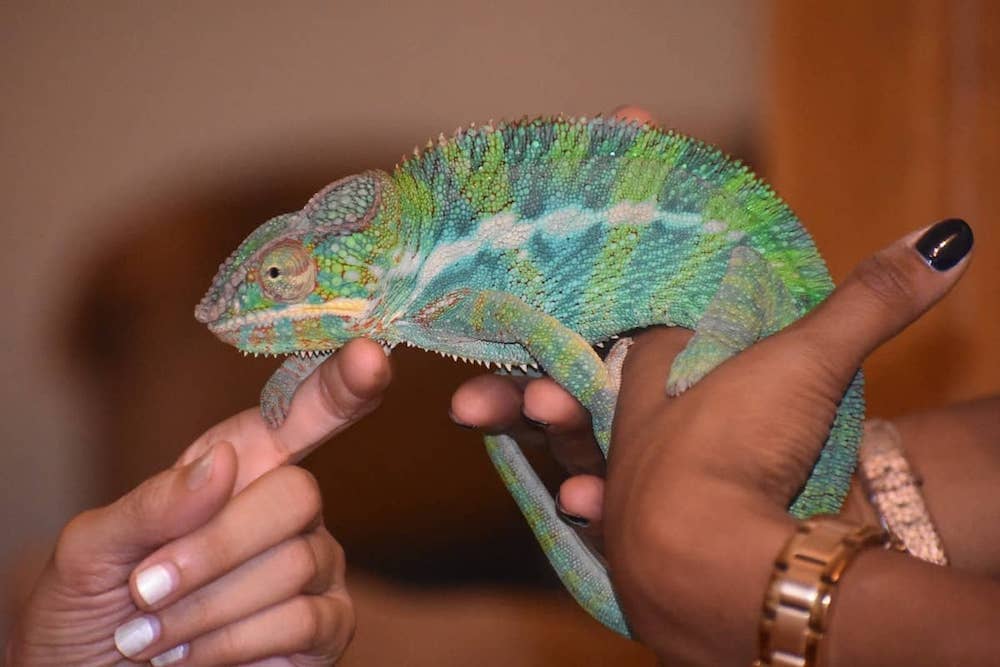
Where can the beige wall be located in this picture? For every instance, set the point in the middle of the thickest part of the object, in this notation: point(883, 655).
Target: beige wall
point(112, 108)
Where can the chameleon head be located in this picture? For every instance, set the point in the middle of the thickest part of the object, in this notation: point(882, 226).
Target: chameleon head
point(303, 281)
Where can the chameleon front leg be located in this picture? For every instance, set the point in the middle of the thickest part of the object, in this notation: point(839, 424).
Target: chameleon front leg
point(564, 355)
point(276, 396)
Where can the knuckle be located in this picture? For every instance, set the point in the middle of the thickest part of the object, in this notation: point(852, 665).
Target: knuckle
point(72, 535)
point(147, 502)
point(71, 559)
point(302, 490)
point(216, 555)
point(227, 643)
point(326, 624)
point(817, 374)
point(302, 559)
point(338, 555)
point(344, 623)
point(199, 615)
point(888, 281)
point(308, 621)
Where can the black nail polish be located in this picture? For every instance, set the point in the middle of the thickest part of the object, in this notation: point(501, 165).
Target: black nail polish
point(571, 519)
point(535, 422)
point(945, 244)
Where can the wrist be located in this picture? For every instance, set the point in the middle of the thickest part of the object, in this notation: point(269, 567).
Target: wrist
point(804, 585)
point(688, 594)
point(896, 610)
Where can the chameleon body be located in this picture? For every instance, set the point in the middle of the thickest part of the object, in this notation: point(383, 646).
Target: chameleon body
point(528, 243)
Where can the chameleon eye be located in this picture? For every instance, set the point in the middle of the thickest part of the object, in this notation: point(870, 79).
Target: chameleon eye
point(287, 272)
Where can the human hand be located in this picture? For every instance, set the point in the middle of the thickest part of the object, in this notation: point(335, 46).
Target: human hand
point(698, 485)
point(221, 559)
point(704, 494)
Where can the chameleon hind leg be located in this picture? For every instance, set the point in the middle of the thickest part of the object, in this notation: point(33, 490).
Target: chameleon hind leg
point(571, 362)
point(751, 303)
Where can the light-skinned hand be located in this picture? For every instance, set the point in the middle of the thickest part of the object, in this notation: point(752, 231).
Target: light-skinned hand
point(221, 559)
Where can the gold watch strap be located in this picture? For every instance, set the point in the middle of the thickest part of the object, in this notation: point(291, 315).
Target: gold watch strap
point(804, 579)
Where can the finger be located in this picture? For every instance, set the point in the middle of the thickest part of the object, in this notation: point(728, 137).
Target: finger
point(488, 402)
point(883, 295)
point(629, 112)
point(532, 411)
point(317, 626)
point(493, 403)
point(274, 508)
point(582, 496)
point(162, 508)
point(343, 390)
point(312, 563)
point(580, 504)
point(567, 426)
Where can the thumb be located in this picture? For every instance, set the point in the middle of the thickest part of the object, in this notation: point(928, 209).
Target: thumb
point(883, 295)
point(164, 507)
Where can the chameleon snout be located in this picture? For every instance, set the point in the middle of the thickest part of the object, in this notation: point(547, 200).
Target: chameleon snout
point(209, 310)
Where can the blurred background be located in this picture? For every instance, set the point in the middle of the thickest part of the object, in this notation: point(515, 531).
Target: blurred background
point(141, 141)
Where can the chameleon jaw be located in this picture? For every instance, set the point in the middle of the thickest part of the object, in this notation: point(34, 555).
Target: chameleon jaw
point(345, 308)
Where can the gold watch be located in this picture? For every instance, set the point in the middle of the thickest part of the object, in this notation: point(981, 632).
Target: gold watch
point(799, 595)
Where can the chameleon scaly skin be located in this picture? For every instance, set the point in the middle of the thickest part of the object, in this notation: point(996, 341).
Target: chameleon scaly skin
point(527, 243)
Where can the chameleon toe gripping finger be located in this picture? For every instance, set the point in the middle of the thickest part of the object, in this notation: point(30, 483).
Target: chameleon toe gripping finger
point(276, 396)
point(525, 243)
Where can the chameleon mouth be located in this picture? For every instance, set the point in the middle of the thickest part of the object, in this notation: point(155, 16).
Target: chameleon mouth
point(311, 354)
point(302, 354)
point(344, 308)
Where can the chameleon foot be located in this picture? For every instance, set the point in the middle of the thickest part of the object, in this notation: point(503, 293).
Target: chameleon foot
point(276, 396)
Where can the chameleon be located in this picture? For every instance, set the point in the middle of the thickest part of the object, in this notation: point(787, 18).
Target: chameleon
point(530, 244)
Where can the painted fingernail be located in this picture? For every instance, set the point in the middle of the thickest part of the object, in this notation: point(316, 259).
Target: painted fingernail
point(457, 421)
point(945, 244)
point(572, 519)
point(176, 654)
point(133, 637)
point(155, 583)
point(535, 422)
point(200, 470)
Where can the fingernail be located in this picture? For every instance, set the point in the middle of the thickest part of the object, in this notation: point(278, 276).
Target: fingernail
point(133, 637)
point(175, 654)
point(200, 470)
point(155, 583)
point(457, 421)
point(945, 244)
point(573, 519)
point(536, 422)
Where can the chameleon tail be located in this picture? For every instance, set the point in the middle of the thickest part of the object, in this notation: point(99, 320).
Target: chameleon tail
point(579, 570)
point(828, 483)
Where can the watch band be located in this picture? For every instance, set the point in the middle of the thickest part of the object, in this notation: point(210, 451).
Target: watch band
point(802, 585)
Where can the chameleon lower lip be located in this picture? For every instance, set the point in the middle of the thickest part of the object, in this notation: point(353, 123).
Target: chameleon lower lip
point(298, 311)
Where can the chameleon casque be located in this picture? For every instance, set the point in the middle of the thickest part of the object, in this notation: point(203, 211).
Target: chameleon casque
point(527, 244)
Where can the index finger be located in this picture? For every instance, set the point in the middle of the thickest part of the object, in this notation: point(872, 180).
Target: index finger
point(341, 391)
